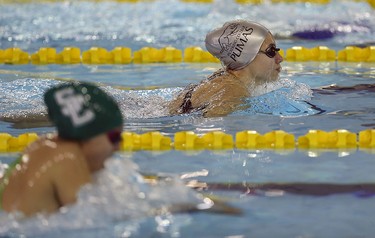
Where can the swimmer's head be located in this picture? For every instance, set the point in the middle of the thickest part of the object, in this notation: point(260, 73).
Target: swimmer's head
point(81, 110)
point(236, 43)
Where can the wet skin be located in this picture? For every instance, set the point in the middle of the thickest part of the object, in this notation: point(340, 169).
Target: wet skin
point(52, 171)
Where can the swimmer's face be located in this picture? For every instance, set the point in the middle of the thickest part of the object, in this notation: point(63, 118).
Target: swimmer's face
point(101, 147)
point(266, 65)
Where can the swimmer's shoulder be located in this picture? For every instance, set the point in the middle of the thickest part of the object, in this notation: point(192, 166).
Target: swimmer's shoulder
point(230, 86)
point(50, 147)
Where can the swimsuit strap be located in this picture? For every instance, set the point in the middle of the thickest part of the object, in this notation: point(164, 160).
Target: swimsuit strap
point(222, 72)
point(186, 105)
point(216, 74)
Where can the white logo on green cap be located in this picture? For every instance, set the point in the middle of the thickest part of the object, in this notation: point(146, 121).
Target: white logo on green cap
point(73, 106)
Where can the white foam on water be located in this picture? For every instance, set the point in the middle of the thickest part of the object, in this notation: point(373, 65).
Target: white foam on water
point(284, 97)
point(22, 99)
point(118, 193)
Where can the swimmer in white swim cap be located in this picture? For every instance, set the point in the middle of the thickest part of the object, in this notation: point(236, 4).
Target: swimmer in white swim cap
point(248, 53)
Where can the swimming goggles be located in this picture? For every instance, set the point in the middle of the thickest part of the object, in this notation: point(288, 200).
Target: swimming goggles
point(271, 51)
point(114, 136)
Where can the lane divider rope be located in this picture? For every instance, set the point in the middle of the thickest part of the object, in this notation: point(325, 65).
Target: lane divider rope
point(218, 140)
point(193, 54)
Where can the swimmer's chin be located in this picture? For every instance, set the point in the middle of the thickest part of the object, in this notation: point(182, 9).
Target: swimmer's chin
point(273, 79)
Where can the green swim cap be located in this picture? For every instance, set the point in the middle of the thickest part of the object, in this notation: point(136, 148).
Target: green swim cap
point(81, 110)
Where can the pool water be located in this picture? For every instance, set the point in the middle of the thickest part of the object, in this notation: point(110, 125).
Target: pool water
point(120, 203)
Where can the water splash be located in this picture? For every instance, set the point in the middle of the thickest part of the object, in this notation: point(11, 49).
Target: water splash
point(118, 193)
point(143, 103)
point(284, 97)
point(23, 99)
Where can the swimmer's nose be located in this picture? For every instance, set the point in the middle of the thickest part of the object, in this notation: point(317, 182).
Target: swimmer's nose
point(278, 58)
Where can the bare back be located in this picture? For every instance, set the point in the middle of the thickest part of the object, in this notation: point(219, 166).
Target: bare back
point(47, 178)
point(215, 97)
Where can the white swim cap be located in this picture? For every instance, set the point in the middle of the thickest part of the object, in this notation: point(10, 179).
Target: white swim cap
point(236, 43)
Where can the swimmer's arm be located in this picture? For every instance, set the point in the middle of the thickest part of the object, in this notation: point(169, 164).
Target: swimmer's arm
point(70, 174)
point(333, 88)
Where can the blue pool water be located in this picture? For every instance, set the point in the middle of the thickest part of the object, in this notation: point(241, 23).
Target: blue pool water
point(120, 204)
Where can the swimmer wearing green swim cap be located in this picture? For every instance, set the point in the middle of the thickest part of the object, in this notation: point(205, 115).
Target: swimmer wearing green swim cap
point(52, 170)
point(250, 57)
